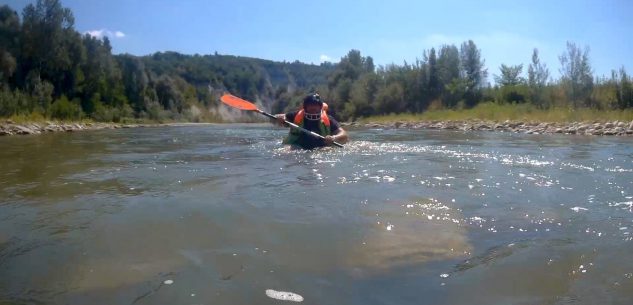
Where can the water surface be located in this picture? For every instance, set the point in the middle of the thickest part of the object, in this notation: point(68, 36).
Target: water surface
point(218, 214)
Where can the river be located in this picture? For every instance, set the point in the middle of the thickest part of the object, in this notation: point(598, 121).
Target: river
point(218, 214)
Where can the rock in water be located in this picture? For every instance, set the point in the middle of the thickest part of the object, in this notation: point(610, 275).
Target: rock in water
point(284, 295)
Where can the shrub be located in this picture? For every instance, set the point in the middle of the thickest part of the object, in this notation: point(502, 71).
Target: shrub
point(66, 110)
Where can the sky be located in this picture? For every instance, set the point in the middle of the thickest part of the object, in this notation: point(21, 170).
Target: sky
point(391, 32)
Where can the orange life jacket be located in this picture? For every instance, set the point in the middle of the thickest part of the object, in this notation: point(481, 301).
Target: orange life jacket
point(300, 115)
point(294, 136)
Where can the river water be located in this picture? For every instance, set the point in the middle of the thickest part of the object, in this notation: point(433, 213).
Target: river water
point(218, 214)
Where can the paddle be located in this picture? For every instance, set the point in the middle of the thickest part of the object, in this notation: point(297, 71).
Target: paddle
point(239, 103)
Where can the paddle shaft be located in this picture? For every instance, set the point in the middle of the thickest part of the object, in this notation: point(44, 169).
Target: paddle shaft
point(295, 126)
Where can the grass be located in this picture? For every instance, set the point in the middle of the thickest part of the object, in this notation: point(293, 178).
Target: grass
point(36, 117)
point(484, 111)
point(512, 112)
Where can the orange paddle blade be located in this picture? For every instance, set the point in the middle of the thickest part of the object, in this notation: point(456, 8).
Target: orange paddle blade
point(237, 102)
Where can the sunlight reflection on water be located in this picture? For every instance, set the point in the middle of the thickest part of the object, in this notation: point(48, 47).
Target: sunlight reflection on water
point(226, 213)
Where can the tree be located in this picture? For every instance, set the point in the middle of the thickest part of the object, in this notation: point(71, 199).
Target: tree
point(433, 75)
point(474, 71)
point(448, 69)
point(577, 74)
point(135, 81)
point(538, 76)
point(510, 75)
point(42, 31)
point(9, 29)
point(50, 45)
point(41, 93)
point(448, 65)
point(513, 89)
point(624, 89)
point(168, 94)
point(349, 69)
point(391, 99)
point(362, 96)
point(7, 66)
point(9, 32)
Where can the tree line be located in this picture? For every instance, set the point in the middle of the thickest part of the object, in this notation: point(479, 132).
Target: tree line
point(49, 70)
point(455, 78)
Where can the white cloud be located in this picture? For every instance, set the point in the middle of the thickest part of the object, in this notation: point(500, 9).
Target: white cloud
point(325, 58)
point(96, 33)
point(103, 32)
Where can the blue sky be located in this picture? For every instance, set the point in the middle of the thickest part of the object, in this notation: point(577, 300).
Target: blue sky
point(389, 31)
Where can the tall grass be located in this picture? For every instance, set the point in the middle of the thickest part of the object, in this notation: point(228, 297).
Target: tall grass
point(513, 112)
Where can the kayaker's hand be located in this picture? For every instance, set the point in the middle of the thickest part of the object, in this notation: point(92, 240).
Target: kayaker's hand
point(329, 140)
point(281, 118)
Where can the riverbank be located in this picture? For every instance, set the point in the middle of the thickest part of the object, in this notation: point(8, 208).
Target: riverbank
point(615, 128)
point(9, 127)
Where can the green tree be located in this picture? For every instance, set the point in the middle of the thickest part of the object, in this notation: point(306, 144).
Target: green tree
point(362, 96)
point(448, 70)
point(50, 45)
point(41, 92)
point(9, 32)
point(64, 109)
point(341, 83)
point(168, 94)
point(7, 66)
point(513, 88)
point(474, 72)
point(433, 75)
point(577, 74)
point(624, 89)
point(9, 29)
point(135, 81)
point(510, 75)
point(538, 76)
point(391, 99)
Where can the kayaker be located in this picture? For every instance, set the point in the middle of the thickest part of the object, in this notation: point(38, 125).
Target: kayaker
point(313, 117)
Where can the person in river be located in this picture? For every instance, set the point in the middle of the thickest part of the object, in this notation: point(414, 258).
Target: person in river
point(313, 117)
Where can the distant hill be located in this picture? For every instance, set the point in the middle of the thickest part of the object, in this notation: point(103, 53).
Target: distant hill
point(251, 78)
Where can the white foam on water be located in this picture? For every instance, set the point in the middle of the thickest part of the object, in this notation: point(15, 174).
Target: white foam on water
point(618, 169)
point(283, 295)
point(578, 209)
point(477, 219)
point(168, 282)
point(629, 204)
point(577, 166)
point(389, 178)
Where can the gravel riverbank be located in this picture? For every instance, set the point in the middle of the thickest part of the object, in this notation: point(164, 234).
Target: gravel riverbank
point(8, 127)
point(615, 128)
